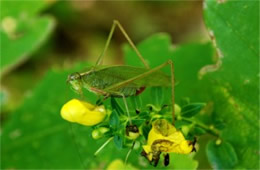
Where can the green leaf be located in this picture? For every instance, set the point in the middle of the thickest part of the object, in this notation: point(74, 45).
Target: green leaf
point(219, 123)
point(144, 115)
point(179, 123)
point(36, 131)
point(157, 95)
point(233, 26)
point(118, 140)
point(146, 129)
point(116, 106)
point(138, 122)
point(23, 32)
point(136, 103)
point(237, 41)
point(192, 109)
point(187, 67)
point(156, 49)
point(114, 120)
point(22, 8)
point(221, 156)
point(197, 131)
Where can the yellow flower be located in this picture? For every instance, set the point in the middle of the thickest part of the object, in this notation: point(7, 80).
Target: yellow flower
point(118, 164)
point(82, 112)
point(163, 137)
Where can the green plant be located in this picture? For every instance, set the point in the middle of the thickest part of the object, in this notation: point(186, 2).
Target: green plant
point(222, 77)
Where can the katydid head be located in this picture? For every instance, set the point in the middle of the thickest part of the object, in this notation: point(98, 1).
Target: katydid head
point(74, 80)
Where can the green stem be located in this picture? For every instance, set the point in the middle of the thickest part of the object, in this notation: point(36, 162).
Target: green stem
point(99, 149)
point(210, 130)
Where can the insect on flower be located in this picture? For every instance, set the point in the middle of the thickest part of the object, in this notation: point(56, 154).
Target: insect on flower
point(122, 81)
point(164, 137)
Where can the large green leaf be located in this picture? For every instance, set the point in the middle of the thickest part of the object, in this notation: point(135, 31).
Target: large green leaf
point(234, 26)
point(22, 31)
point(37, 137)
point(22, 8)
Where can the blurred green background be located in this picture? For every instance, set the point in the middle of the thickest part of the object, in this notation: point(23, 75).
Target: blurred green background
point(42, 42)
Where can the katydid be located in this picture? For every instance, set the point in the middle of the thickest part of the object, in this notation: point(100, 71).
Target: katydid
point(122, 81)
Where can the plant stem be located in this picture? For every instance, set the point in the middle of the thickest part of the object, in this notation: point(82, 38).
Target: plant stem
point(210, 130)
point(99, 149)
point(128, 153)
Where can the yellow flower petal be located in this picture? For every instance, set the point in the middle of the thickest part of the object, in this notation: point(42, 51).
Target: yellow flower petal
point(148, 151)
point(82, 112)
point(164, 137)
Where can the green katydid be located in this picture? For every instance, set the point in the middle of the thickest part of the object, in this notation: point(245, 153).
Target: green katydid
point(122, 81)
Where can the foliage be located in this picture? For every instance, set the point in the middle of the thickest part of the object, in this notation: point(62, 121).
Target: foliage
point(236, 85)
point(23, 31)
point(222, 155)
point(33, 115)
point(216, 89)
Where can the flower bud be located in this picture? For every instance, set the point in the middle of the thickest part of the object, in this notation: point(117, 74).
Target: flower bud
point(82, 112)
point(99, 132)
point(177, 109)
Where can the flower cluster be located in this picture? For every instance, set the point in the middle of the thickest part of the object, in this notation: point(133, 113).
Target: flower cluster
point(161, 137)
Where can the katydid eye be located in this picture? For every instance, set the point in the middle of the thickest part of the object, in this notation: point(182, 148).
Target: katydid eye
point(74, 76)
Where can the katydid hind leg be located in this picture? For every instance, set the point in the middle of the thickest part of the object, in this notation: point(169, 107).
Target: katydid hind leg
point(112, 30)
